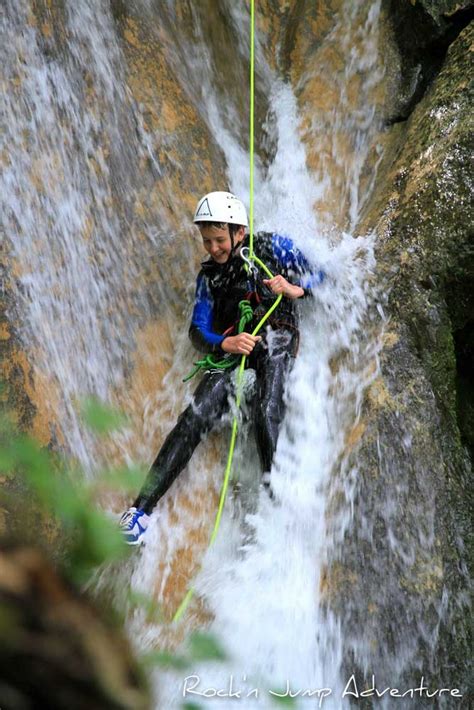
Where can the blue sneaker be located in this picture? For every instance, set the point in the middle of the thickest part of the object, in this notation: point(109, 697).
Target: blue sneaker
point(134, 524)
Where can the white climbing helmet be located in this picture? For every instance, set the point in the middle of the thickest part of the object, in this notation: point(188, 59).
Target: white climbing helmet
point(221, 207)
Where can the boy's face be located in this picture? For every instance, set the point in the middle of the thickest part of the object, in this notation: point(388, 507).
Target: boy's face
point(217, 241)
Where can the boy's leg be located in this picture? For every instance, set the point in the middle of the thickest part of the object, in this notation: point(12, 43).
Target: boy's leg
point(210, 402)
point(273, 366)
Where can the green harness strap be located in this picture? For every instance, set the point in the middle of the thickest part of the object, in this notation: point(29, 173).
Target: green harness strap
point(228, 361)
point(246, 315)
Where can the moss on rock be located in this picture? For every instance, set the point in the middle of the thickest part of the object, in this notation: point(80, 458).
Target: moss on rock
point(411, 524)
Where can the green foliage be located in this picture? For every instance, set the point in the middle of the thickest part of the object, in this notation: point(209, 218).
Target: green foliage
point(153, 610)
point(201, 647)
point(205, 647)
point(100, 417)
point(165, 659)
point(90, 537)
point(123, 478)
point(282, 699)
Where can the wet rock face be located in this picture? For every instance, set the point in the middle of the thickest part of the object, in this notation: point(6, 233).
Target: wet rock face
point(423, 31)
point(132, 162)
point(412, 510)
point(402, 563)
point(55, 650)
point(425, 247)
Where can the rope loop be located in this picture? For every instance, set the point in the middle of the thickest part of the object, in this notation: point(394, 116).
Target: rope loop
point(208, 362)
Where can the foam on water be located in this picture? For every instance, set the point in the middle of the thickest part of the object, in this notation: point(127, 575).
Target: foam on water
point(75, 283)
point(262, 581)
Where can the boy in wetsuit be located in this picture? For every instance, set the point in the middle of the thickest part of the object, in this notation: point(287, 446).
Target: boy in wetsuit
point(224, 281)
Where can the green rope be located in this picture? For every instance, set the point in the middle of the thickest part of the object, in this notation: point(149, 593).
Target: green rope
point(228, 361)
point(225, 485)
point(184, 604)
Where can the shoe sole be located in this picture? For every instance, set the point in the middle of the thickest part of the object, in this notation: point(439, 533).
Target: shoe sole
point(138, 543)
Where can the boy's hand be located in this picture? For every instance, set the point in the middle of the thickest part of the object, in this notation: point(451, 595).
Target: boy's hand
point(241, 344)
point(278, 284)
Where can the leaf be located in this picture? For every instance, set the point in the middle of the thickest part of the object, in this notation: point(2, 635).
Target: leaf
point(204, 647)
point(153, 609)
point(124, 478)
point(101, 535)
point(282, 699)
point(7, 424)
point(89, 537)
point(8, 462)
point(165, 659)
point(29, 453)
point(100, 417)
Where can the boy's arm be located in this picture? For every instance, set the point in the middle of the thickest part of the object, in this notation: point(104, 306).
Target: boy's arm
point(200, 331)
point(295, 264)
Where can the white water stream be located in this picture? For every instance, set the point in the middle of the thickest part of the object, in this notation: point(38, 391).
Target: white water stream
point(261, 582)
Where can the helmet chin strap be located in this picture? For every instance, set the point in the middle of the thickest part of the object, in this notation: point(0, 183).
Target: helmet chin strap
point(234, 246)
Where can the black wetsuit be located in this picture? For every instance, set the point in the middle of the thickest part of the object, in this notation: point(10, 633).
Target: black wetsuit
point(219, 290)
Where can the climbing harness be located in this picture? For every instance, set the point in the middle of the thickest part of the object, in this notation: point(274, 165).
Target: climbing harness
point(209, 362)
point(229, 360)
point(252, 262)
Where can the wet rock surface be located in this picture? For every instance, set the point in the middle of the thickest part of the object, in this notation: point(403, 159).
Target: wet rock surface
point(55, 650)
point(399, 578)
point(423, 32)
point(404, 558)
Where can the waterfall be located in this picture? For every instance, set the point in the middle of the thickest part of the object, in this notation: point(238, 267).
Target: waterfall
point(79, 155)
point(74, 149)
point(262, 581)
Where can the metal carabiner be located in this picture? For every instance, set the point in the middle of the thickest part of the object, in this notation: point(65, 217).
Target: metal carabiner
point(246, 257)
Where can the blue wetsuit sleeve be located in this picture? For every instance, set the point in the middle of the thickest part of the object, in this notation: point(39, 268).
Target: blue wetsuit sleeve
point(295, 264)
point(200, 331)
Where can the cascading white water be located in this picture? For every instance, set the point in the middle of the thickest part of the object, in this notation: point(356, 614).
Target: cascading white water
point(65, 213)
point(262, 581)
